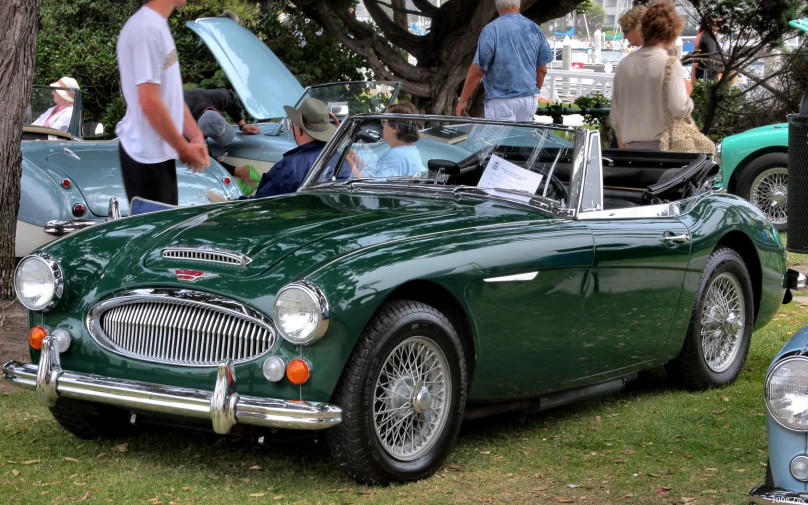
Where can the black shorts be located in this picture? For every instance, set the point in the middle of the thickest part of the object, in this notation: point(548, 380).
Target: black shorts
point(152, 181)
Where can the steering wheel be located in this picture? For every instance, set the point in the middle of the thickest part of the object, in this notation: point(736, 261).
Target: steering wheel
point(370, 132)
point(556, 191)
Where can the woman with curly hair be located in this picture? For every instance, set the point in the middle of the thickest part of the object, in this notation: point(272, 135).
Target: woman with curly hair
point(638, 105)
point(631, 24)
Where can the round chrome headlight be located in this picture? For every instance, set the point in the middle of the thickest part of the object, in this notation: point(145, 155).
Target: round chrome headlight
point(301, 312)
point(786, 393)
point(38, 282)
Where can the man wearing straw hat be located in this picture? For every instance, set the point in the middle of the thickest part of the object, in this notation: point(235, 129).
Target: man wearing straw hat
point(58, 117)
point(311, 129)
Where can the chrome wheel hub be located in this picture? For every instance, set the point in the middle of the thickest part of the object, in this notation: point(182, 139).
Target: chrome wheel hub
point(769, 193)
point(722, 322)
point(412, 398)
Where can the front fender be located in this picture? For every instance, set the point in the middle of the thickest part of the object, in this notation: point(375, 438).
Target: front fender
point(785, 444)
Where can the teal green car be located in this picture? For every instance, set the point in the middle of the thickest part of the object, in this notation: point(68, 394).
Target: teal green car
point(451, 269)
point(755, 167)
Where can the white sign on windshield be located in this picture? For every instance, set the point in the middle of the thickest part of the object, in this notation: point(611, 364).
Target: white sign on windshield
point(502, 174)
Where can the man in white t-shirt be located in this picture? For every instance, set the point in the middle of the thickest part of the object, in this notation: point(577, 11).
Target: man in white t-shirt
point(157, 123)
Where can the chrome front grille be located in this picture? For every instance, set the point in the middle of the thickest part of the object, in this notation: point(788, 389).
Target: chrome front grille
point(206, 254)
point(180, 327)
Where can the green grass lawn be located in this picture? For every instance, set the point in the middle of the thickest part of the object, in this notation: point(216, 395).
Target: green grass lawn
point(649, 444)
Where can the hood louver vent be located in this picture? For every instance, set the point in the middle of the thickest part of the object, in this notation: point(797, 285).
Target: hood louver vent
point(206, 255)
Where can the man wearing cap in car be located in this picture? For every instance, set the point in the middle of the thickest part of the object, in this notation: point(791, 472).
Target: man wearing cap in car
point(311, 129)
point(58, 117)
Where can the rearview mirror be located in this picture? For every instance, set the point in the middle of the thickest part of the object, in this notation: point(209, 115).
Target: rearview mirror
point(338, 108)
point(92, 130)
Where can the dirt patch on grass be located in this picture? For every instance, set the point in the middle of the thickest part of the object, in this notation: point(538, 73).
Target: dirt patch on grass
point(13, 337)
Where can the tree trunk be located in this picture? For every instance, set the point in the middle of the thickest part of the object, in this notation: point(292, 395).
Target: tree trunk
point(19, 20)
point(444, 54)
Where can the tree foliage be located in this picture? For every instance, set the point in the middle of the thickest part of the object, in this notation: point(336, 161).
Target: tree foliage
point(311, 55)
point(443, 55)
point(78, 39)
point(751, 30)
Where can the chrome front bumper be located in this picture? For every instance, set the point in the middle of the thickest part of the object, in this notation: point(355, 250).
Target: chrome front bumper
point(224, 407)
point(766, 495)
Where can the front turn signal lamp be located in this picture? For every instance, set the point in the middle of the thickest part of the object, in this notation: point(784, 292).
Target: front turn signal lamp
point(298, 371)
point(36, 336)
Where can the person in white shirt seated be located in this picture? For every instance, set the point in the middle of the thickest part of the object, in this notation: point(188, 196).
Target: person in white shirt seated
point(403, 158)
point(58, 117)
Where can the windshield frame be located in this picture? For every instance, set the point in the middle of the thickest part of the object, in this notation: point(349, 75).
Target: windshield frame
point(78, 109)
point(349, 126)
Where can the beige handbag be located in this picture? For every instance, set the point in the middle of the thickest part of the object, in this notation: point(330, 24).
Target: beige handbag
point(681, 134)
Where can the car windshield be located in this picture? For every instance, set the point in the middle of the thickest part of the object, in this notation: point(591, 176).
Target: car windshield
point(521, 162)
point(47, 108)
point(362, 97)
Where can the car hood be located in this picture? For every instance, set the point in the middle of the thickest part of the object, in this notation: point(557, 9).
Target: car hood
point(262, 82)
point(94, 170)
point(333, 223)
point(780, 127)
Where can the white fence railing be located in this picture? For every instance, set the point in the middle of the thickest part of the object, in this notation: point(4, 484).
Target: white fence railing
point(567, 85)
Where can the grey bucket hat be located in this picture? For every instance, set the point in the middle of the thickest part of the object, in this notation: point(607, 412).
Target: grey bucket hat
point(215, 127)
point(312, 118)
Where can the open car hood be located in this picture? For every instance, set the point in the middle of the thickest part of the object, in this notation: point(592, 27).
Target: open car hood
point(262, 82)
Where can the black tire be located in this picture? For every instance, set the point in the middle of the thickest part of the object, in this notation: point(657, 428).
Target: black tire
point(356, 444)
point(770, 166)
point(91, 421)
point(693, 369)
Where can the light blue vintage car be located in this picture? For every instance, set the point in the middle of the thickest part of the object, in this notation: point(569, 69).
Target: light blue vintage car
point(67, 182)
point(264, 85)
point(786, 395)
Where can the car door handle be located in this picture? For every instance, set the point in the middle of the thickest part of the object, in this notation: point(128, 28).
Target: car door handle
point(672, 238)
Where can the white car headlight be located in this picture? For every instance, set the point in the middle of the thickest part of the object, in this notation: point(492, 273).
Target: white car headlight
point(38, 282)
point(719, 148)
point(301, 312)
point(786, 393)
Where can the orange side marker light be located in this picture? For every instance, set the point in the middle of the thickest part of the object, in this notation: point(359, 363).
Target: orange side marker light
point(297, 371)
point(36, 336)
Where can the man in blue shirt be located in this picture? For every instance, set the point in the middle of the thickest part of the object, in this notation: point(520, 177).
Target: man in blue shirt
point(311, 129)
point(511, 61)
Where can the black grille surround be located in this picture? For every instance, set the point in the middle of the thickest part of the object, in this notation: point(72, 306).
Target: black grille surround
point(181, 327)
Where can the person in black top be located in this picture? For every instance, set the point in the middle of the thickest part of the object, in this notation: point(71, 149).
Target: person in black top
point(709, 64)
point(206, 107)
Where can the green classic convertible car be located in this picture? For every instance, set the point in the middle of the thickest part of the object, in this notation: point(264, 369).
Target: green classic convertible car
point(451, 269)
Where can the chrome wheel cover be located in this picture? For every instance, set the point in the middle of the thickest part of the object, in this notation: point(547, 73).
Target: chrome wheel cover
point(412, 398)
point(769, 193)
point(722, 322)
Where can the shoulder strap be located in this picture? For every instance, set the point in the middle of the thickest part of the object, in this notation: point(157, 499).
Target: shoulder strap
point(667, 79)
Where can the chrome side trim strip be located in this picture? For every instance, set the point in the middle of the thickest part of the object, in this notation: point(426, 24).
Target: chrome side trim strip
point(206, 254)
point(59, 228)
point(529, 276)
point(224, 406)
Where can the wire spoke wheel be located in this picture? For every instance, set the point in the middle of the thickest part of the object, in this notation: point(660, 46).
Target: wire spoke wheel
point(769, 193)
point(722, 322)
point(412, 398)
